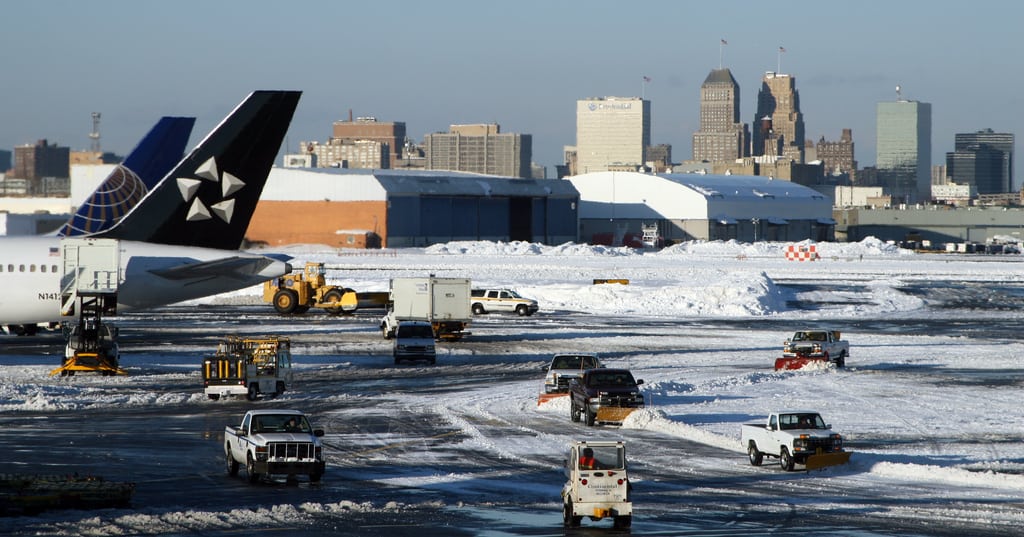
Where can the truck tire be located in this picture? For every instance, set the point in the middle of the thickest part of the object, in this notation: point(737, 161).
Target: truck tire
point(574, 411)
point(841, 361)
point(568, 519)
point(315, 477)
point(250, 468)
point(622, 522)
point(785, 460)
point(756, 457)
point(522, 310)
point(231, 465)
point(478, 309)
point(334, 295)
point(285, 301)
point(591, 416)
point(253, 393)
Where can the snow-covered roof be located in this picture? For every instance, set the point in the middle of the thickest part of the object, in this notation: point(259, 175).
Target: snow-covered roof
point(341, 184)
point(689, 196)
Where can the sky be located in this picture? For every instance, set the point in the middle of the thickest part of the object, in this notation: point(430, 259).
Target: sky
point(520, 64)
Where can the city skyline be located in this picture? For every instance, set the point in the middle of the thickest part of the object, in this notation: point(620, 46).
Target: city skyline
point(523, 66)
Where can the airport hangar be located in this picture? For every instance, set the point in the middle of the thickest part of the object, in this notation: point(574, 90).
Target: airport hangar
point(362, 208)
point(395, 208)
point(700, 207)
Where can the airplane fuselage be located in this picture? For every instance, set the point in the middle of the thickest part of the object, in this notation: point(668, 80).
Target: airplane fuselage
point(152, 275)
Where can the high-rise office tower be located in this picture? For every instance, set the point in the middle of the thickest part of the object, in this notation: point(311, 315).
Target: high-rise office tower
point(904, 149)
point(391, 135)
point(721, 135)
point(837, 157)
point(40, 161)
point(778, 119)
point(612, 132)
point(983, 159)
point(480, 148)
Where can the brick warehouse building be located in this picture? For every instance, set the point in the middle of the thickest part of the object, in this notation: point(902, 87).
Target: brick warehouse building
point(394, 208)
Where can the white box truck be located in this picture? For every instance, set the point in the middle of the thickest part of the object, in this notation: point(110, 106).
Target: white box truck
point(442, 302)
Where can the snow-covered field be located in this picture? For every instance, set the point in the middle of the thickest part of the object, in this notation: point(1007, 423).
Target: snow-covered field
point(937, 407)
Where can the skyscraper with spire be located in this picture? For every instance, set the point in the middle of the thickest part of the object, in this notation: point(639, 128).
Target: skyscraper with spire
point(778, 128)
point(721, 135)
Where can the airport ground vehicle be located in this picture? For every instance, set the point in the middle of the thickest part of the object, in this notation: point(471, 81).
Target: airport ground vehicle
point(809, 346)
point(562, 369)
point(274, 442)
point(597, 484)
point(414, 340)
point(248, 366)
point(91, 347)
point(794, 437)
point(299, 291)
point(604, 396)
point(442, 302)
point(504, 300)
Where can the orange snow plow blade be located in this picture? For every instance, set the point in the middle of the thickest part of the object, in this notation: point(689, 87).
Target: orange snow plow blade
point(794, 362)
point(613, 414)
point(545, 397)
point(823, 460)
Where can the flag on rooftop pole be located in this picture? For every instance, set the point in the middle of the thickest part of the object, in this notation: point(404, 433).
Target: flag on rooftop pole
point(643, 87)
point(778, 68)
point(724, 42)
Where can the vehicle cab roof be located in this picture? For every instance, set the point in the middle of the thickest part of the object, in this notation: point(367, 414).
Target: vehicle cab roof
point(265, 411)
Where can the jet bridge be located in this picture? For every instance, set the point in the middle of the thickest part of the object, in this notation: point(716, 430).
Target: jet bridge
point(89, 284)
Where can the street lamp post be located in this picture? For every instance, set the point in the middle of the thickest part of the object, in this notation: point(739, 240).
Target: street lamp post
point(755, 221)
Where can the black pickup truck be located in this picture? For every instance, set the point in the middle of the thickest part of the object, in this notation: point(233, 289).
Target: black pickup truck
point(604, 395)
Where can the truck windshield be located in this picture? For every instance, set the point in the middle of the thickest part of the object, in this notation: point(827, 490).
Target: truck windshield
point(801, 421)
point(621, 378)
point(280, 423)
point(574, 362)
point(422, 331)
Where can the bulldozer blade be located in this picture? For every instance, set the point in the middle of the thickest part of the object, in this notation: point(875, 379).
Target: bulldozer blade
point(782, 364)
point(824, 460)
point(373, 299)
point(612, 414)
point(545, 397)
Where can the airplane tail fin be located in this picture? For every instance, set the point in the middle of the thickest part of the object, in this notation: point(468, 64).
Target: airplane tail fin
point(142, 169)
point(208, 199)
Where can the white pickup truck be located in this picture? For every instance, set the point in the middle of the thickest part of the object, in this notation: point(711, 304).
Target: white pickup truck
point(597, 484)
point(274, 442)
point(795, 437)
point(822, 344)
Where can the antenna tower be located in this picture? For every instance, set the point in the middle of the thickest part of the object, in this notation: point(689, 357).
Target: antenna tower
point(94, 136)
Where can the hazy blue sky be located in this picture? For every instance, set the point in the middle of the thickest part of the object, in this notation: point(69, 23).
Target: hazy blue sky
point(522, 64)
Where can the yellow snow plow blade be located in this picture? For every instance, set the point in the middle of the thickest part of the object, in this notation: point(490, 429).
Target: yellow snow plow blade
point(823, 460)
point(613, 414)
point(545, 397)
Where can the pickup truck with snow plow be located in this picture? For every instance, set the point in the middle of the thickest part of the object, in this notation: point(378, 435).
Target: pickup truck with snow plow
point(808, 346)
point(794, 437)
point(274, 442)
point(604, 396)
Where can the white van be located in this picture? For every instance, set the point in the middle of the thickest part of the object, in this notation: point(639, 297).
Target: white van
point(414, 340)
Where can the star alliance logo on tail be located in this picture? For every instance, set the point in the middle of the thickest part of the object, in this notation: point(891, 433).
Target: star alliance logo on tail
point(229, 184)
